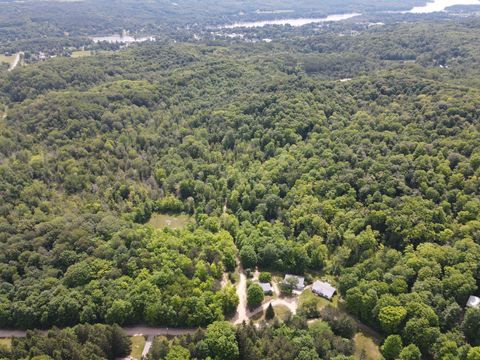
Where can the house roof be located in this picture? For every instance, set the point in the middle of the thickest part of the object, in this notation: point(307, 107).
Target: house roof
point(473, 302)
point(323, 288)
point(300, 280)
point(266, 287)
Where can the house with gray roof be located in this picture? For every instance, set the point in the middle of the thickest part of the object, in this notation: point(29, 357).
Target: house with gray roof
point(323, 289)
point(267, 288)
point(473, 302)
point(298, 282)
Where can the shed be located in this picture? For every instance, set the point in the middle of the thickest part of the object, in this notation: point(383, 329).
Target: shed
point(323, 289)
point(299, 281)
point(473, 302)
point(267, 288)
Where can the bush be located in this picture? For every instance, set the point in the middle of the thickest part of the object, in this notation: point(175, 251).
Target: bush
point(265, 277)
point(255, 296)
point(340, 323)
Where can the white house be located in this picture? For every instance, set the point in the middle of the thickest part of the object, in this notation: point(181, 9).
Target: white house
point(473, 302)
point(323, 289)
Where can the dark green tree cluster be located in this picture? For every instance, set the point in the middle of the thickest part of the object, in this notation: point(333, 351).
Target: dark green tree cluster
point(83, 342)
point(292, 340)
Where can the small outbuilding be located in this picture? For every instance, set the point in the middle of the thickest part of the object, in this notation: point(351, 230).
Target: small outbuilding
point(473, 302)
point(297, 281)
point(323, 289)
point(267, 288)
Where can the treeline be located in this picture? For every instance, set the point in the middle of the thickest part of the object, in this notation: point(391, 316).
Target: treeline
point(283, 341)
point(83, 342)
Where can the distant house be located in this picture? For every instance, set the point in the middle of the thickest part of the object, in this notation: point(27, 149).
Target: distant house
point(298, 282)
point(323, 289)
point(473, 302)
point(267, 288)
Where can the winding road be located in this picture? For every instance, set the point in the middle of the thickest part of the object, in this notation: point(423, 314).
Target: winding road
point(243, 314)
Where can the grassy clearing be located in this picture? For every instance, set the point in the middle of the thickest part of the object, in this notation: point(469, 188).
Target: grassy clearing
point(282, 312)
point(308, 295)
point(138, 343)
point(6, 343)
point(160, 221)
point(7, 59)
point(81, 53)
point(366, 348)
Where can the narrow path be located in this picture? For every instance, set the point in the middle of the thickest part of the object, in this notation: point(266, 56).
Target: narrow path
point(241, 314)
point(148, 345)
point(15, 62)
point(225, 280)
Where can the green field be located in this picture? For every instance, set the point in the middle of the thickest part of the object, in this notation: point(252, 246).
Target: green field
point(321, 302)
point(6, 343)
point(81, 53)
point(7, 59)
point(138, 343)
point(160, 221)
point(282, 312)
point(366, 348)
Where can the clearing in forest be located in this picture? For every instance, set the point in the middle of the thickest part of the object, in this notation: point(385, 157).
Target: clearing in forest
point(366, 347)
point(7, 59)
point(175, 222)
point(138, 343)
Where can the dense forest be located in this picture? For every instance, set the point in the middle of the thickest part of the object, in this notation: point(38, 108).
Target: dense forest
point(351, 157)
point(81, 342)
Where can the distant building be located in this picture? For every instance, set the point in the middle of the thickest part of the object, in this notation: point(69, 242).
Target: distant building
point(297, 281)
point(323, 289)
point(267, 288)
point(473, 302)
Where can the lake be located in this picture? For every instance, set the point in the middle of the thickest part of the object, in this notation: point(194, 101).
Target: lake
point(291, 22)
point(118, 38)
point(441, 5)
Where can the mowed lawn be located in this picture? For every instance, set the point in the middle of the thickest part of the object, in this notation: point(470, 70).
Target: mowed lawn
point(81, 53)
point(138, 343)
point(282, 312)
point(308, 295)
point(160, 221)
point(7, 59)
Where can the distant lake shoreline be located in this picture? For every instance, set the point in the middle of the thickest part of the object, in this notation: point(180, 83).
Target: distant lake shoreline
point(429, 7)
point(292, 22)
point(440, 5)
